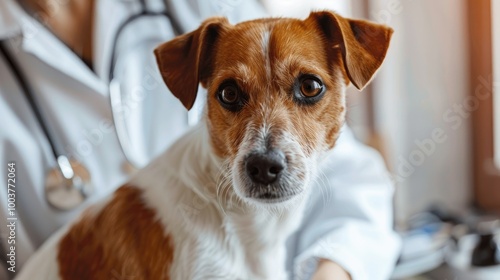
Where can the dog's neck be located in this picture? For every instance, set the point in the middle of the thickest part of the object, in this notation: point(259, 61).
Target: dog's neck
point(253, 236)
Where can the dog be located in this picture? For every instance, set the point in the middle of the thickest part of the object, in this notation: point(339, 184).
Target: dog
point(221, 202)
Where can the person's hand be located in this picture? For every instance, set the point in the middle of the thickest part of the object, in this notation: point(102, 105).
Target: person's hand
point(328, 270)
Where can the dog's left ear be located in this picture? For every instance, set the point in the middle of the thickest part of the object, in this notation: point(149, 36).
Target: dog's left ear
point(186, 60)
point(363, 44)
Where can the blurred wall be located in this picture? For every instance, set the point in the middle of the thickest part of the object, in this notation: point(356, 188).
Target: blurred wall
point(421, 103)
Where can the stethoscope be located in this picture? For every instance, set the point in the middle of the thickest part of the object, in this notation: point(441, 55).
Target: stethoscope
point(68, 184)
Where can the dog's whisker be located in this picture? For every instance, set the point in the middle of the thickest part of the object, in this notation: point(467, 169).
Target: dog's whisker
point(323, 188)
point(223, 182)
point(329, 195)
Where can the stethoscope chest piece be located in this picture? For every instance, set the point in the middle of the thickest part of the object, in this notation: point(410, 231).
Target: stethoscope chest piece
point(68, 185)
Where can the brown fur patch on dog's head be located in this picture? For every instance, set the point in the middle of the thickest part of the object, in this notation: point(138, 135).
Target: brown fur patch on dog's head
point(265, 57)
point(266, 66)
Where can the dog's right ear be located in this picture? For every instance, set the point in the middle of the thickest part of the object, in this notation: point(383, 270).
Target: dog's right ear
point(187, 60)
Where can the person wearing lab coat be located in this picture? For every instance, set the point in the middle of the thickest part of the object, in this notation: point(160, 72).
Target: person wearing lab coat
point(347, 229)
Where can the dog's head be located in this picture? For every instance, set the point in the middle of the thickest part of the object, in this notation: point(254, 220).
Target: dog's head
point(275, 91)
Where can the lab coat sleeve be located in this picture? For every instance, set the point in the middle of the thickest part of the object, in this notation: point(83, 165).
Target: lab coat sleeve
point(349, 216)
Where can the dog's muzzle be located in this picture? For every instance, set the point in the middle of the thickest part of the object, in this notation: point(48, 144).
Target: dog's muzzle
point(265, 171)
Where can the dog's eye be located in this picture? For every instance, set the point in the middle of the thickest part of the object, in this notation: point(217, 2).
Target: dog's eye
point(229, 94)
point(231, 97)
point(310, 87)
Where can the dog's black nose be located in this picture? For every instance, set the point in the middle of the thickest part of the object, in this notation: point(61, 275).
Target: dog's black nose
point(265, 168)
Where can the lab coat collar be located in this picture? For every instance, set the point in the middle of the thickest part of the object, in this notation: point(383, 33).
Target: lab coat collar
point(8, 25)
point(40, 42)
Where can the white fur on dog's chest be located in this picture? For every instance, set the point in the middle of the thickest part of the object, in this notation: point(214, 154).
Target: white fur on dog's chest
point(245, 249)
point(225, 254)
point(212, 240)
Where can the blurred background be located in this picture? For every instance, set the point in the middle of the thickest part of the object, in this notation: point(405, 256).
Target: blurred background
point(433, 112)
point(430, 109)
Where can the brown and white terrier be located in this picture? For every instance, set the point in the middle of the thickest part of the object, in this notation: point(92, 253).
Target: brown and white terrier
point(221, 202)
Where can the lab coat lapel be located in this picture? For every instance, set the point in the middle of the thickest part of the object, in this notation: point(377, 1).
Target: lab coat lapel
point(41, 43)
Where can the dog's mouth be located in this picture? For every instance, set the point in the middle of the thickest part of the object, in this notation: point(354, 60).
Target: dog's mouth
point(268, 179)
point(280, 191)
point(272, 198)
point(269, 169)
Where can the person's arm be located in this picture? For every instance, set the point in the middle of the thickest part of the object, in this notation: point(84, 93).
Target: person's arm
point(347, 229)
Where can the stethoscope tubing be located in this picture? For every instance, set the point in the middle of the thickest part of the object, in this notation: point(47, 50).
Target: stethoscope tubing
point(28, 92)
point(64, 164)
point(62, 161)
point(22, 82)
point(115, 95)
point(143, 13)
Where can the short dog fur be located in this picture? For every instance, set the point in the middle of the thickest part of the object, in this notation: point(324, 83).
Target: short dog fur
point(221, 202)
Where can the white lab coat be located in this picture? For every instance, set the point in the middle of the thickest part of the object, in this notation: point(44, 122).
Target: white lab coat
point(349, 221)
